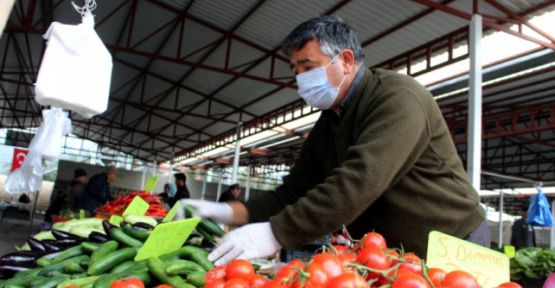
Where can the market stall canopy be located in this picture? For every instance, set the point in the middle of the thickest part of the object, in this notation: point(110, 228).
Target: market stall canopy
point(185, 72)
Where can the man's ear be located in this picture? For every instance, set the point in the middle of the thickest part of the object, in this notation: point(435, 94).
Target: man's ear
point(348, 57)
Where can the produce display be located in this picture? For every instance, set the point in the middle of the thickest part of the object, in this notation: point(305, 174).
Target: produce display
point(94, 253)
point(117, 206)
point(369, 263)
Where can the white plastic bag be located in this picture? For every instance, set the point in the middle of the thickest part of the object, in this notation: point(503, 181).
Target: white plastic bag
point(76, 69)
point(46, 145)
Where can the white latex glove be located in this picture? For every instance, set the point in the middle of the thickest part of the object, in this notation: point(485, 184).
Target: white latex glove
point(219, 212)
point(248, 242)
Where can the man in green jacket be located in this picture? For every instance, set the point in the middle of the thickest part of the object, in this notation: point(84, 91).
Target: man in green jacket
point(380, 158)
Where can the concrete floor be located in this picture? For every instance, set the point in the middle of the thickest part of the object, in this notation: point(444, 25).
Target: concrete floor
point(15, 232)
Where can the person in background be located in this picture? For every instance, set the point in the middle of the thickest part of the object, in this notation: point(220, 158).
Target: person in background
point(169, 193)
point(97, 192)
point(522, 233)
point(182, 190)
point(379, 158)
point(232, 193)
point(76, 188)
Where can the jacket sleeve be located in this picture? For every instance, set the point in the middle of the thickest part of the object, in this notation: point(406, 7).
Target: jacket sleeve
point(304, 175)
point(391, 137)
point(95, 189)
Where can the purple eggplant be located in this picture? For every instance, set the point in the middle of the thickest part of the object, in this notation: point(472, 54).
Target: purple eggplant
point(62, 235)
point(98, 237)
point(107, 226)
point(27, 257)
point(8, 269)
point(51, 246)
point(35, 244)
point(142, 226)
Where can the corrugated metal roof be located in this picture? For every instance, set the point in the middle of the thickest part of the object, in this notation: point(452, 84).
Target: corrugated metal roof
point(208, 91)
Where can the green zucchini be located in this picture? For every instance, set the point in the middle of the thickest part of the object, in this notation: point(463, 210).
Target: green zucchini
point(196, 278)
point(136, 233)
point(104, 249)
point(156, 268)
point(180, 266)
point(90, 247)
point(111, 260)
point(120, 236)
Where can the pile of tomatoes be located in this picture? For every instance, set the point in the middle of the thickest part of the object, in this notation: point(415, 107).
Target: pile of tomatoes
point(369, 263)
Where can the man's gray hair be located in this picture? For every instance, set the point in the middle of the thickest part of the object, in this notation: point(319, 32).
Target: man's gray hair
point(333, 34)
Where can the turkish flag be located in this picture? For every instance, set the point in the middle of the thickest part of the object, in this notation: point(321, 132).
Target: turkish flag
point(19, 155)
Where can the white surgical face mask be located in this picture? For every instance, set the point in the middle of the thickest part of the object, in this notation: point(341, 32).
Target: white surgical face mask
point(315, 88)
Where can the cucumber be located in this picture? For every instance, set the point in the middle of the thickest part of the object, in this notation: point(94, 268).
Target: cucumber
point(48, 282)
point(136, 233)
point(111, 260)
point(156, 267)
point(73, 267)
point(120, 236)
point(202, 260)
point(66, 254)
point(58, 267)
point(211, 227)
point(138, 218)
point(183, 267)
point(104, 249)
point(123, 266)
point(196, 278)
point(205, 234)
point(80, 282)
point(89, 247)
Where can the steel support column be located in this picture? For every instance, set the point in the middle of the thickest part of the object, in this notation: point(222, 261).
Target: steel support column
point(237, 152)
point(475, 103)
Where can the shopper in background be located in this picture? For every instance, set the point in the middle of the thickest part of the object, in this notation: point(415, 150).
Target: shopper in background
point(380, 158)
point(97, 192)
point(169, 193)
point(232, 193)
point(523, 233)
point(76, 188)
point(182, 190)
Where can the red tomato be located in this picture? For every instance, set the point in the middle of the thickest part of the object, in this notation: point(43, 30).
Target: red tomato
point(330, 263)
point(410, 280)
point(258, 281)
point(318, 276)
point(216, 283)
point(276, 284)
point(436, 275)
point(347, 258)
point(374, 239)
point(509, 285)
point(239, 268)
point(374, 257)
point(169, 286)
point(340, 250)
point(290, 271)
point(411, 262)
point(216, 273)
point(128, 283)
point(236, 283)
point(460, 279)
point(347, 280)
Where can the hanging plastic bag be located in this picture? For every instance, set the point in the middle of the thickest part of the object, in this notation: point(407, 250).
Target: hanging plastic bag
point(539, 212)
point(76, 68)
point(46, 145)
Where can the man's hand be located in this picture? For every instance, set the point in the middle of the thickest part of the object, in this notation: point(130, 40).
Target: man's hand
point(248, 242)
point(219, 212)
